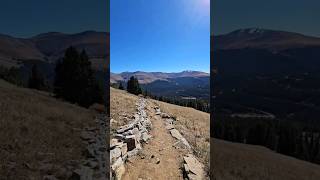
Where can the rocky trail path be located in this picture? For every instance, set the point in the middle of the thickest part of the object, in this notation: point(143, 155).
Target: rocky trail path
point(158, 159)
point(150, 148)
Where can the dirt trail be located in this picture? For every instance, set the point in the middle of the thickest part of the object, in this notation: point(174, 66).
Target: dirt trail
point(158, 159)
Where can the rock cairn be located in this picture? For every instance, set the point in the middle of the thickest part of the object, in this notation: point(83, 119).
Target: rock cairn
point(193, 169)
point(127, 140)
point(94, 166)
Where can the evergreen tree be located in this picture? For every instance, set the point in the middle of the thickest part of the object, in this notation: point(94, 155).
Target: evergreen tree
point(75, 81)
point(133, 86)
point(36, 80)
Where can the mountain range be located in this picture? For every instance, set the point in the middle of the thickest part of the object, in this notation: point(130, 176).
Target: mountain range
point(183, 84)
point(263, 51)
point(49, 47)
point(261, 70)
point(149, 77)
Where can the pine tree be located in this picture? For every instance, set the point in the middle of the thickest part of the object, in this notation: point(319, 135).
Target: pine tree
point(133, 86)
point(36, 80)
point(75, 81)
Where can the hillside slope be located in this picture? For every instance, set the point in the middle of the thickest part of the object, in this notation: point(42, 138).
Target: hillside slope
point(242, 162)
point(191, 123)
point(39, 135)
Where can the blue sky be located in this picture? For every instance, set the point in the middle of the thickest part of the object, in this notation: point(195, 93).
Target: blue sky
point(30, 17)
point(300, 16)
point(159, 35)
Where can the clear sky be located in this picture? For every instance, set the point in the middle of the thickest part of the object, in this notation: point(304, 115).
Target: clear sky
point(300, 16)
point(160, 35)
point(26, 18)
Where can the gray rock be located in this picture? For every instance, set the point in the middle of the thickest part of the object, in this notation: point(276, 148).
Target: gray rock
point(115, 153)
point(145, 137)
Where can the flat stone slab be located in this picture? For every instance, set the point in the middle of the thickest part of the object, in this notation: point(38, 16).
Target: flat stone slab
point(194, 167)
point(176, 134)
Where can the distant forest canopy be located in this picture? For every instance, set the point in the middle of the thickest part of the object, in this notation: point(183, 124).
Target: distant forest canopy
point(199, 104)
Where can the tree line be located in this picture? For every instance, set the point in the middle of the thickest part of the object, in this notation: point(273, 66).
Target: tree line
point(297, 139)
point(74, 79)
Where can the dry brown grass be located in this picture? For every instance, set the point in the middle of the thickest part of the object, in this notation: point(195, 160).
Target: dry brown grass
point(122, 107)
point(36, 129)
point(194, 125)
point(234, 161)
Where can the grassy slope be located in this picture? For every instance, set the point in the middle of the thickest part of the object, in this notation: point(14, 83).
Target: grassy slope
point(248, 162)
point(193, 124)
point(36, 129)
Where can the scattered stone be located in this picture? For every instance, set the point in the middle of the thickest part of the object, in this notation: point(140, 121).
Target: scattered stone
point(145, 137)
point(157, 160)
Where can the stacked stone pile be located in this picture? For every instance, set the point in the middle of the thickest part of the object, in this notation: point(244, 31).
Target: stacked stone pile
point(128, 138)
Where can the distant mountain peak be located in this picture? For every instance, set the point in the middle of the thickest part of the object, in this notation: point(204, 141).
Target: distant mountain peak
point(259, 38)
point(250, 31)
